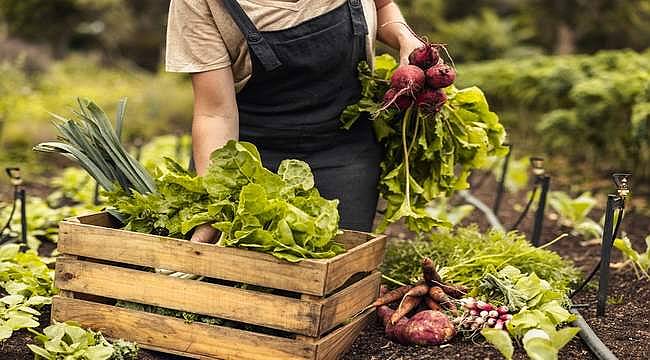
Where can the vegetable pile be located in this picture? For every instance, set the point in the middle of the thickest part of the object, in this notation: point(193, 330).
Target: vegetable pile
point(282, 214)
point(433, 133)
point(518, 293)
point(428, 299)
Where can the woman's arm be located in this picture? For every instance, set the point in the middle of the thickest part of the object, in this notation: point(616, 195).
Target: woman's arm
point(215, 121)
point(393, 31)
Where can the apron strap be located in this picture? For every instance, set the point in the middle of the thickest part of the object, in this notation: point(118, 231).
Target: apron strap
point(256, 42)
point(358, 20)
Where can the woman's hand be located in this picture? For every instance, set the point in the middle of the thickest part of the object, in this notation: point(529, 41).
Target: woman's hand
point(204, 234)
point(406, 45)
point(393, 30)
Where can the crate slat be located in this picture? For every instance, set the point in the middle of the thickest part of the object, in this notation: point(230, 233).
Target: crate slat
point(233, 264)
point(278, 312)
point(363, 258)
point(339, 341)
point(170, 333)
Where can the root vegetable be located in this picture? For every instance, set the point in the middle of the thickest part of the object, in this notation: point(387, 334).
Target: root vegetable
point(440, 76)
point(455, 291)
point(491, 321)
point(408, 303)
point(432, 304)
point(505, 317)
point(503, 310)
point(432, 99)
point(438, 295)
point(499, 324)
point(424, 57)
point(484, 313)
point(482, 305)
point(392, 296)
point(474, 312)
point(431, 276)
point(479, 321)
point(409, 77)
point(402, 101)
point(418, 290)
point(394, 332)
point(493, 314)
point(468, 303)
point(429, 328)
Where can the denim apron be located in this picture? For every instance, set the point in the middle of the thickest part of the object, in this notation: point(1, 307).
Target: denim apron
point(302, 79)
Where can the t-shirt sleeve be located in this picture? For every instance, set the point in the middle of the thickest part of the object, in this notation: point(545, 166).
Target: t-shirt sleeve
point(194, 43)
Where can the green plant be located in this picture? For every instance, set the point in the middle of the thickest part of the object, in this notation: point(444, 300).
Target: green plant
point(640, 261)
point(574, 212)
point(69, 341)
point(464, 255)
point(441, 209)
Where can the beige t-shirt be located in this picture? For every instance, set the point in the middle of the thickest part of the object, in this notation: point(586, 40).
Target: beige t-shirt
point(202, 36)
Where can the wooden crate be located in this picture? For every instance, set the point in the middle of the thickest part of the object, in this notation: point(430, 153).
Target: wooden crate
point(312, 305)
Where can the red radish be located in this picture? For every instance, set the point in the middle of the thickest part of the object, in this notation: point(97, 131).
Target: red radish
point(493, 314)
point(484, 313)
point(468, 303)
point(432, 99)
point(440, 76)
point(491, 321)
point(503, 310)
point(499, 324)
point(402, 101)
point(473, 312)
point(424, 57)
point(408, 77)
point(505, 317)
point(482, 305)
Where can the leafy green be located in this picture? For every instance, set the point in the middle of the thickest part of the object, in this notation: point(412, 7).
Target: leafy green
point(282, 214)
point(640, 261)
point(69, 341)
point(465, 254)
point(574, 212)
point(500, 340)
point(427, 155)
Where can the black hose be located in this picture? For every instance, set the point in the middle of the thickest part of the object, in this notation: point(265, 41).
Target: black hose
point(523, 213)
point(597, 267)
point(596, 346)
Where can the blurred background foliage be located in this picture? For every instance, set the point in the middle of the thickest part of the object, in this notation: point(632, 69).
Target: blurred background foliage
point(569, 77)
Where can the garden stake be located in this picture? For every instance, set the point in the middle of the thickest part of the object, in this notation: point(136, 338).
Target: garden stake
point(502, 181)
point(614, 202)
point(19, 194)
point(545, 181)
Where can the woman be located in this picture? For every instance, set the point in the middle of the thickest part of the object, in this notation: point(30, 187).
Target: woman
point(278, 73)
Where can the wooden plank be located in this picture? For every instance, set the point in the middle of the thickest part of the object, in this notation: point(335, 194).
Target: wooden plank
point(307, 276)
point(349, 302)
point(102, 219)
point(334, 345)
point(253, 307)
point(351, 239)
point(363, 258)
point(170, 334)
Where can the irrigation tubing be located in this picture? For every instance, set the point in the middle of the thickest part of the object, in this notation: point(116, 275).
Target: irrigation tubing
point(526, 209)
point(597, 267)
point(596, 346)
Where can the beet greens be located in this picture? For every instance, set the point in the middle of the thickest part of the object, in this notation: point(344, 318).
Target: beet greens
point(434, 138)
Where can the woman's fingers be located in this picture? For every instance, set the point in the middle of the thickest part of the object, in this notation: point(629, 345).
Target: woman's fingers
point(204, 234)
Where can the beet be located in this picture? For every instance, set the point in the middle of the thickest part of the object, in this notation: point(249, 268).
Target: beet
point(440, 76)
point(408, 77)
point(429, 327)
point(424, 57)
point(402, 101)
point(431, 99)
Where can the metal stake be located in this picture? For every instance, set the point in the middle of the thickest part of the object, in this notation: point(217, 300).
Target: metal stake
point(502, 182)
point(605, 254)
point(23, 215)
point(545, 182)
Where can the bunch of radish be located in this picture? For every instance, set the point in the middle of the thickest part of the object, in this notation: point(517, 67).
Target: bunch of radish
point(421, 82)
point(426, 300)
point(480, 314)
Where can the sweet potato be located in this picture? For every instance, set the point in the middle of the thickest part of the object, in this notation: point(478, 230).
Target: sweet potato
point(455, 291)
point(432, 305)
point(438, 295)
point(392, 296)
point(393, 332)
point(429, 328)
point(408, 303)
